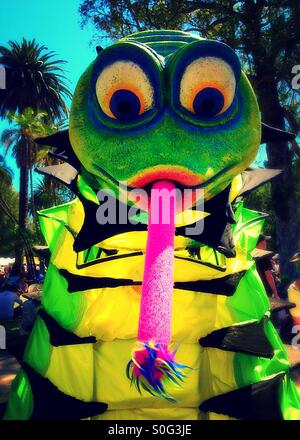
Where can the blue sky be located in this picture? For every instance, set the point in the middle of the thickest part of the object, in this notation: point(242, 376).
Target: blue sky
point(56, 24)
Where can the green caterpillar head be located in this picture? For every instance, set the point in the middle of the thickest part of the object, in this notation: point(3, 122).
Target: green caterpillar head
point(165, 105)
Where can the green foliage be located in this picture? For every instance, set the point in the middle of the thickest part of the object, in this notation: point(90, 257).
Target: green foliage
point(26, 127)
point(8, 208)
point(48, 194)
point(35, 96)
point(296, 172)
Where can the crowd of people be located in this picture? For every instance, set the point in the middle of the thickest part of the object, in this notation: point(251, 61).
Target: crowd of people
point(19, 298)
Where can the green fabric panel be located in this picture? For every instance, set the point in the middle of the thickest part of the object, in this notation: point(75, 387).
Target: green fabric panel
point(53, 221)
point(50, 230)
point(38, 348)
point(92, 254)
point(66, 308)
point(246, 231)
point(87, 191)
point(20, 403)
point(289, 400)
point(249, 301)
point(60, 212)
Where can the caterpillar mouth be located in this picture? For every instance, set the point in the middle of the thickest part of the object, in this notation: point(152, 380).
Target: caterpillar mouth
point(182, 177)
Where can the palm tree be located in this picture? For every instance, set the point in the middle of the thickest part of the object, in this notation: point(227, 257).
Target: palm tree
point(46, 194)
point(34, 79)
point(20, 138)
point(28, 126)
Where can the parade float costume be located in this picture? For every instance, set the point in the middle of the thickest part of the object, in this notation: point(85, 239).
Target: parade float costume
point(156, 106)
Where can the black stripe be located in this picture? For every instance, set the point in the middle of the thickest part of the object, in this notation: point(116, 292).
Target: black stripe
point(60, 336)
point(247, 338)
point(52, 404)
point(92, 232)
point(217, 232)
point(220, 286)
point(78, 283)
point(259, 401)
point(105, 259)
point(202, 263)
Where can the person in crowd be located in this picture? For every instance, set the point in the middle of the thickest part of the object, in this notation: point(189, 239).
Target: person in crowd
point(13, 278)
point(23, 286)
point(265, 267)
point(30, 306)
point(10, 303)
point(276, 268)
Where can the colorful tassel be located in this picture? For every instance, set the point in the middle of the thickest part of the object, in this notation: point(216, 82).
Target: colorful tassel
point(152, 366)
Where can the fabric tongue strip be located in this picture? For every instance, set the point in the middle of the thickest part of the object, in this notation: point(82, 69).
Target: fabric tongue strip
point(153, 363)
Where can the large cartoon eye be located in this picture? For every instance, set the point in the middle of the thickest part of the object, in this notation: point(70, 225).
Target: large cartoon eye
point(207, 87)
point(124, 91)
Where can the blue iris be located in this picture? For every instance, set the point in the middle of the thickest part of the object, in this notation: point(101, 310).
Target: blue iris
point(125, 105)
point(208, 102)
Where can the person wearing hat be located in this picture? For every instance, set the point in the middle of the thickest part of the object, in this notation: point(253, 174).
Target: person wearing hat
point(33, 298)
point(294, 290)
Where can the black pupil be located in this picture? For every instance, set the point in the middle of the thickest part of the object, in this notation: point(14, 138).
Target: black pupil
point(208, 102)
point(125, 105)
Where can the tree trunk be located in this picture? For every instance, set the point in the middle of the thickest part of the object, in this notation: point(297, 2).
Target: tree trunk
point(283, 187)
point(23, 210)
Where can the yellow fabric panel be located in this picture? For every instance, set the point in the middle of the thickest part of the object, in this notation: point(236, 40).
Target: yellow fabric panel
point(217, 367)
point(105, 319)
point(136, 240)
point(63, 255)
point(294, 297)
point(113, 387)
point(110, 313)
point(187, 269)
point(71, 369)
point(71, 213)
point(76, 215)
point(150, 414)
point(236, 186)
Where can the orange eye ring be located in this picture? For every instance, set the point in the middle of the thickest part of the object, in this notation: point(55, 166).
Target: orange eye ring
point(128, 87)
point(198, 88)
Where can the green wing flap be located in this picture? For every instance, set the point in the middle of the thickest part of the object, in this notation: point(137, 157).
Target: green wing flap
point(53, 220)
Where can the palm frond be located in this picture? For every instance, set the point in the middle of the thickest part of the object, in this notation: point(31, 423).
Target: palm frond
point(35, 79)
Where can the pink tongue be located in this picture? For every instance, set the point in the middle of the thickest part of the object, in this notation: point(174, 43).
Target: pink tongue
point(153, 364)
point(157, 289)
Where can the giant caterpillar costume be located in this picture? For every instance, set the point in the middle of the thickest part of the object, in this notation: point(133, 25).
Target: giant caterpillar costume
point(156, 106)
